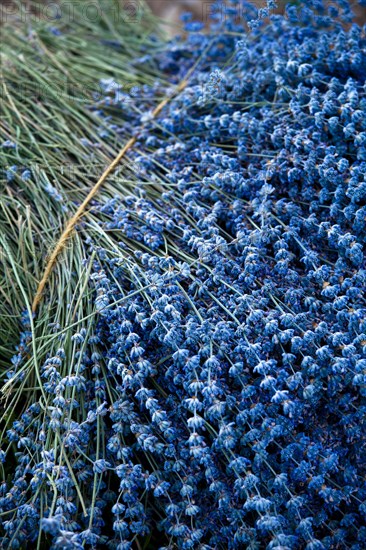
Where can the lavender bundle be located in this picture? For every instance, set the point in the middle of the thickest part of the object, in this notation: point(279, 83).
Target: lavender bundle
point(205, 385)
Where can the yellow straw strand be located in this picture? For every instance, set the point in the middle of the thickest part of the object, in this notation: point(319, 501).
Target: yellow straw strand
point(61, 243)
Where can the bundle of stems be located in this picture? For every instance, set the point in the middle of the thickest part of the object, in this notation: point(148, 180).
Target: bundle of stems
point(52, 154)
point(50, 76)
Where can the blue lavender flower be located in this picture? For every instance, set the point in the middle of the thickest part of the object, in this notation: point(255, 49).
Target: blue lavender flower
point(221, 397)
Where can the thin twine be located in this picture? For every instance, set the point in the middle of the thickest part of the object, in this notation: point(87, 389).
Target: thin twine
point(61, 243)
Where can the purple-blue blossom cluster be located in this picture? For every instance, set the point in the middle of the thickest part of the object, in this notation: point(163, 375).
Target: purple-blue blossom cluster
point(220, 401)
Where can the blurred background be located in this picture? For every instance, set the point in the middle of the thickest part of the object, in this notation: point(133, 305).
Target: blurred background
point(172, 9)
point(169, 10)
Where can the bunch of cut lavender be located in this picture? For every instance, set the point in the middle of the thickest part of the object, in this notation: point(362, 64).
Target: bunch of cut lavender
point(221, 396)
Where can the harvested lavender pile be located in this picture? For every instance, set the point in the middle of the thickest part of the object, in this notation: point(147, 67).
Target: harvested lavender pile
point(217, 399)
